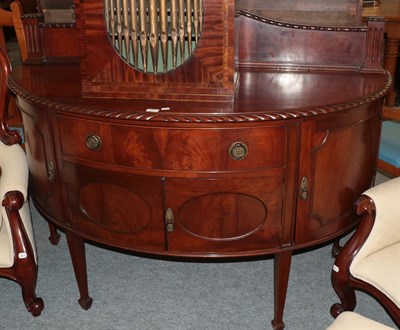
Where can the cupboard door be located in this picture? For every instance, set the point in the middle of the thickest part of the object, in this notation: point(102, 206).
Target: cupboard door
point(338, 160)
point(44, 175)
point(115, 208)
point(224, 216)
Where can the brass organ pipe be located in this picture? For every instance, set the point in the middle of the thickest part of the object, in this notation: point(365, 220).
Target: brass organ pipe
point(153, 33)
point(164, 33)
point(174, 32)
point(143, 33)
point(107, 15)
point(200, 14)
point(133, 32)
point(196, 20)
point(119, 26)
point(182, 29)
point(189, 24)
point(150, 25)
point(112, 20)
point(126, 28)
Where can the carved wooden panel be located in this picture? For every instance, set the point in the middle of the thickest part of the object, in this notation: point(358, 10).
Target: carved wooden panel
point(341, 148)
point(239, 215)
point(287, 45)
point(116, 207)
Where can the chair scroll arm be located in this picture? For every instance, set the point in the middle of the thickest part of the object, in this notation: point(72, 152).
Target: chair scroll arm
point(13, 202)
point(24, 271)
point(364, 207)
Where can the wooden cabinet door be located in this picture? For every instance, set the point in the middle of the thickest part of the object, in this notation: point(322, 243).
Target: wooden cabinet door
point(338, 162)
point(44, 176)
point(116, 208)
point(224, 217)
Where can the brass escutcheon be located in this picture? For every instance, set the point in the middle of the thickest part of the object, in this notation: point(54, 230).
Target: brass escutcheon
point(238, 150)
point(304, 188)
point(169, 220)
point(93, 142)
point(51, 171)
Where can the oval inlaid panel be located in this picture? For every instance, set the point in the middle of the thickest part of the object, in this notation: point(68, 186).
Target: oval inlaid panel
point(222, 216)
point(114, 207)
point(154, 36)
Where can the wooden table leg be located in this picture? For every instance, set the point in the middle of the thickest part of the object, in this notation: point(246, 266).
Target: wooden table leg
point(282, 265)
point(76, 245)
point(54, 237)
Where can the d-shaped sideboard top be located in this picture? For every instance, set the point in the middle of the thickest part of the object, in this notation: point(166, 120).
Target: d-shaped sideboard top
point(261, 95)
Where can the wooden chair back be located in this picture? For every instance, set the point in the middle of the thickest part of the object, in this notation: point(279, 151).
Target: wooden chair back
point(13, 18)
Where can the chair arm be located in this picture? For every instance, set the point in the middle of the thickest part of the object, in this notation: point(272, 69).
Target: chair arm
point(15, 213)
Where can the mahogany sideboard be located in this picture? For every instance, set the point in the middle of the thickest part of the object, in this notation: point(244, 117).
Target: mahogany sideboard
point(250, 132)
point(275, 171)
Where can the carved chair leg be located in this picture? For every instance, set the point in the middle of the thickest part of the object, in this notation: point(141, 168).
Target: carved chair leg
point(33, 304)
point(54, 237)
point(26, 276)
point(282, 263)
point(76, 247)
point(345, 293)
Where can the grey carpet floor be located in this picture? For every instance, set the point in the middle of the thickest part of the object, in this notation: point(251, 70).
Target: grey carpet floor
point(131, 292)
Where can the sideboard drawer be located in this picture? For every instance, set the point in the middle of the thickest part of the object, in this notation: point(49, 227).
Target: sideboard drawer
point(180, 149)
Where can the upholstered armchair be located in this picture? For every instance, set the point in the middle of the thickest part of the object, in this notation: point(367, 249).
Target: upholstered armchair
point(370, 260)
point(18, 260)
point(17, 244)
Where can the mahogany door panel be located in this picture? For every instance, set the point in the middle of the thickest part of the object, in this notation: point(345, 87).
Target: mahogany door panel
point(44, 176)
point(341, 162)
point(116, 208)
point(224, 216)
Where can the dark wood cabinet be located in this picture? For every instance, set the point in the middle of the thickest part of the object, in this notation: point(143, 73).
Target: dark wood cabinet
point(258, 143)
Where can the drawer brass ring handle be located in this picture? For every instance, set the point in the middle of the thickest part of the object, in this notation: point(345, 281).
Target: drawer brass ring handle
point(93, 142)
point(238, 150)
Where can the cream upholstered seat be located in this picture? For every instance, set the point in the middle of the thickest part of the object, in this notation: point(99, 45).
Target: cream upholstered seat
point(17, 244)
point(354, 321)
point(370, 260)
